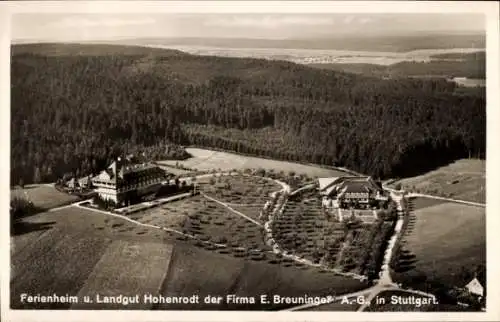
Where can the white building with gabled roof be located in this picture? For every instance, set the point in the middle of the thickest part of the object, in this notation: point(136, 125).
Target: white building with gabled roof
point(475, 287)
point(123, 181)
point(350, 190)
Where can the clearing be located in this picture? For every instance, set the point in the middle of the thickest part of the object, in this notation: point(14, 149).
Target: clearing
point(43, 196)
point(204, 159)
point(128, 269)
point(55, 252)
point(79, 251)
point(198, 271)
point(441, 243)
point(464, 179)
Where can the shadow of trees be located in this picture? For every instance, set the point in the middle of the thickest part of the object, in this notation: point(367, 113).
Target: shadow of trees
point(21, 227)
point(21, 208)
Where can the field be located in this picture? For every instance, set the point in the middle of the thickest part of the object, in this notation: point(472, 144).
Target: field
point(247, 194)
point(319, 56)
point(441, 243)
point(222, 275)
point(204, 159)
point(43, 196)
point(57, 251)
point(463, 179)
point(421, 202)
point(350, 246)
point(173, 170)
point(79, 251)
point(146, 266)
point(215, 223)
point(222, 214)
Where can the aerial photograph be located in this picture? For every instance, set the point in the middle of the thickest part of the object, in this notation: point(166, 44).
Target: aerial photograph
point(248, 162)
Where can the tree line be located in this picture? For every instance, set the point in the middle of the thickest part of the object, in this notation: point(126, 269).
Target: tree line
point(74, 113)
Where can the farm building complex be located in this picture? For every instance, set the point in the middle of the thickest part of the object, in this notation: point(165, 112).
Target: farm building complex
point(125, 183)
point(347, 192)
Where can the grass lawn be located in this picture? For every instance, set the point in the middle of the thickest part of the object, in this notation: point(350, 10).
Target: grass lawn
point(57, 263)
point(167, 215)
point(204, 159)
point(56, 251)
point(251, 211)
point(171, 169)
point(213, 222)
point(84, 252)
point(240, 190)
point(442, 241)
point(128, 269)
point(464, 179)
point(421, 202)
point(197, 271)
point(42, 196)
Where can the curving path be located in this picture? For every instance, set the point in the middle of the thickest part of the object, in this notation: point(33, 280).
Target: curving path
point(384, 283)
point(231, 209)
point(415, 194)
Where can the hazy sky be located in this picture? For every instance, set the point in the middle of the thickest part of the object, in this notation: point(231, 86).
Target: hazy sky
point(66, 27)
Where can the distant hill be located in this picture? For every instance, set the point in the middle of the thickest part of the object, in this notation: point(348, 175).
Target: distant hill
point(361, 43)
point(74, 107)
point(471, 65)
point(89, 49)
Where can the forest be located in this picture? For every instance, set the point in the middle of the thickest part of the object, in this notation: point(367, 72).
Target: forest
point(75, 107)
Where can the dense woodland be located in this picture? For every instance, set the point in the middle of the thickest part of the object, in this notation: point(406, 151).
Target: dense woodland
point(74, 107)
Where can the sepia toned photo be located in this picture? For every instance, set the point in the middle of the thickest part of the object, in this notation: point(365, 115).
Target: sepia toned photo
point(232, 161)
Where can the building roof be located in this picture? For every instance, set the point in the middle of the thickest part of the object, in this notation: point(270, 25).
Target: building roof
point(475, 287)
point(357, 187)
point(72, 182)
point(347, 184)
point(127, 171)
point(326, 182)
point(84, 181)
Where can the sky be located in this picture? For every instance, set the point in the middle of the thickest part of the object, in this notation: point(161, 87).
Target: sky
point(84, 27)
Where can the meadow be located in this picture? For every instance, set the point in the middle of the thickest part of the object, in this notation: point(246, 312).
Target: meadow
point(222, 274)
point(80, 251)
point(204, 159)
point(43, 196)
point(442, 243)
point(463, 179)
point(127, 268)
